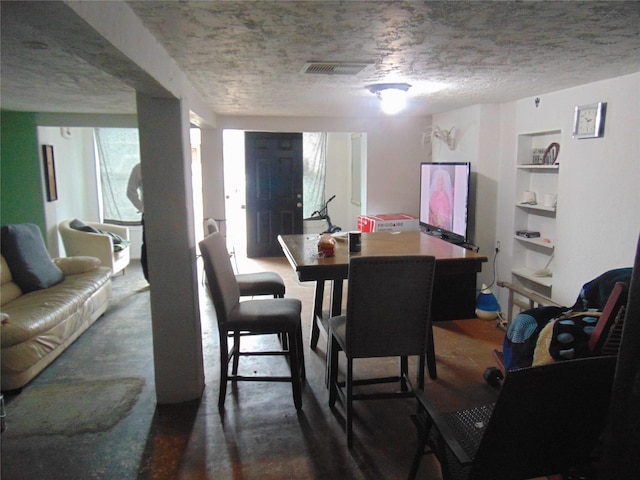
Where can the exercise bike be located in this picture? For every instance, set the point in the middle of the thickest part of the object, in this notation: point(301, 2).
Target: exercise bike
point(323, 214)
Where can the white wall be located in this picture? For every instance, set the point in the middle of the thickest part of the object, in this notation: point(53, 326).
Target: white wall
point(76, 170)
point(598, 219)
point(394, 152)
point(476, 131)
point(599, 200)
point(338, 180)
point(75, 177)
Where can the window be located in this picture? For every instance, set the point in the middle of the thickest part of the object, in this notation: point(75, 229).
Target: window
point(118, 151)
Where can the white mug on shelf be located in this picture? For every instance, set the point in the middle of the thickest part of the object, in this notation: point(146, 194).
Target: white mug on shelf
point(529, 197)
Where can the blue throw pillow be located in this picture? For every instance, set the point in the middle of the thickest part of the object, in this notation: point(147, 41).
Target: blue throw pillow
point(31, 266)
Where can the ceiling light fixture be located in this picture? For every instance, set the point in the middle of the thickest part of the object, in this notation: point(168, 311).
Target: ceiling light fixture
point(392, 95)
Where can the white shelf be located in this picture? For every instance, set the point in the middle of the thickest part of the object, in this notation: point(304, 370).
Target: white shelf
point(535, 241)
point(532, 254)
point(539, 207)
point(531, 166)
point(528, 273)
point(545, 133)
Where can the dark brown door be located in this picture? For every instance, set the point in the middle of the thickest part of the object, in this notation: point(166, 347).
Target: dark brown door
point(273, 163)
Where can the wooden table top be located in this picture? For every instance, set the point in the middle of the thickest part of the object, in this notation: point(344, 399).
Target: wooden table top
point(301, 251)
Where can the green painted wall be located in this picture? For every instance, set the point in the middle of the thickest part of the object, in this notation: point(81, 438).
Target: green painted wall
point(20, 188)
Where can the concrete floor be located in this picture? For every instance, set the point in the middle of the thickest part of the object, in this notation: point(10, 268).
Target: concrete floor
point(259, 435)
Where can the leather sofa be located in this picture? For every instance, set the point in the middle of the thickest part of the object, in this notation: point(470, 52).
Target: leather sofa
point(100, 243)
point(37, 326)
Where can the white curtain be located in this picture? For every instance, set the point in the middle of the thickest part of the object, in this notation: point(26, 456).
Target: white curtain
point(314, 148)
point(118, 151)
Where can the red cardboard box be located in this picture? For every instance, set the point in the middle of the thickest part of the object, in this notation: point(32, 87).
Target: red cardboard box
point(391, 222)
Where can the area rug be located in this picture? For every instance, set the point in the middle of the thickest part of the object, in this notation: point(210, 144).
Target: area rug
point(72, 408)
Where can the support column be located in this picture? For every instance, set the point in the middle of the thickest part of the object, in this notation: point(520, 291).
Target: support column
point(169, 227)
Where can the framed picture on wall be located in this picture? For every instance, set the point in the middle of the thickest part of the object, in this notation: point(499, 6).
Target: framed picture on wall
point(50, 172)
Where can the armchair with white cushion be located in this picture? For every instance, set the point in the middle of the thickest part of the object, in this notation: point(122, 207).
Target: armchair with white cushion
point(101, 244)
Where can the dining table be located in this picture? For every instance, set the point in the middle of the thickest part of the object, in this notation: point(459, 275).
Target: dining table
point(454, 292)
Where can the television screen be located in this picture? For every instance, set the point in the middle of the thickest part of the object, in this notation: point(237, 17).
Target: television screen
point(444, 199)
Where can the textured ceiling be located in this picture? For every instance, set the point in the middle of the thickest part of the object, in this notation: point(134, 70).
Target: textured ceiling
point(246, 57)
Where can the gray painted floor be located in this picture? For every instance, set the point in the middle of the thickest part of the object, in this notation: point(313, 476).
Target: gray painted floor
point(260, 435)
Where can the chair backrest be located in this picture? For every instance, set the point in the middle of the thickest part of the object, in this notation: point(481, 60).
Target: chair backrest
point(620, 457)
point(600, 337)
point(389, 305)
point(210, 226)
point(546, 418)
point(220, 277)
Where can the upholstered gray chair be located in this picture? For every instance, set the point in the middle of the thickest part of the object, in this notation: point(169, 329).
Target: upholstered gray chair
point(280, 316)
point(252, 284)
point(388, 315)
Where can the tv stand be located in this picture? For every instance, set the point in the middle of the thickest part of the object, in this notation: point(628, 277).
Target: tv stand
point(455, 241)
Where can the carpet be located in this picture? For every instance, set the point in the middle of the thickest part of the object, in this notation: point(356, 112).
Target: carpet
point(72, 408)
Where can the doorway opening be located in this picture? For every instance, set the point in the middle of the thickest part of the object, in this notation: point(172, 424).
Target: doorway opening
point(235, 226)
point(342, 178)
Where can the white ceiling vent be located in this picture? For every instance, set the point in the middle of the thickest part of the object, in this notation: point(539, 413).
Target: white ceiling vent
point(335, 68)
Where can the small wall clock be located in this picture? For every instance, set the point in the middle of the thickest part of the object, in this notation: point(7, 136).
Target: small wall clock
point(588, 121)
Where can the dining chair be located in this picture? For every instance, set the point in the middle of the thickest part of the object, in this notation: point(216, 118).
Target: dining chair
point(280, 316)
point(255, 283)
point(547, 421)
point(388, 314)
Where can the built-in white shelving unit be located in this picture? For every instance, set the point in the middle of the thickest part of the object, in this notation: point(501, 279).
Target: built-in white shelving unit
point(533, 255)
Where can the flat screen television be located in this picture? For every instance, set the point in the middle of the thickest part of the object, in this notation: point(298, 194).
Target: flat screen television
point(444, 199)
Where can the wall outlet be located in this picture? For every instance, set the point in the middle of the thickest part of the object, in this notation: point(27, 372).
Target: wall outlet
point(497, 246)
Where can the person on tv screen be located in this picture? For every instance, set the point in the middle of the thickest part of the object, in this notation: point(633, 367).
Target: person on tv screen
point(441, 200)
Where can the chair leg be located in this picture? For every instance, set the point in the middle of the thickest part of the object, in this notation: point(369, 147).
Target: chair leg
point(224, 368)
point(303, 370)
point(431, 355)
point(349, 406)
point(294, 363)
point(236, 355)
point(423, 436)
point(421, 370)
point(282, 336)
point(283, 340)
point(317, 310)
point(331, 347)
point(332, 367)
point(404, 372)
